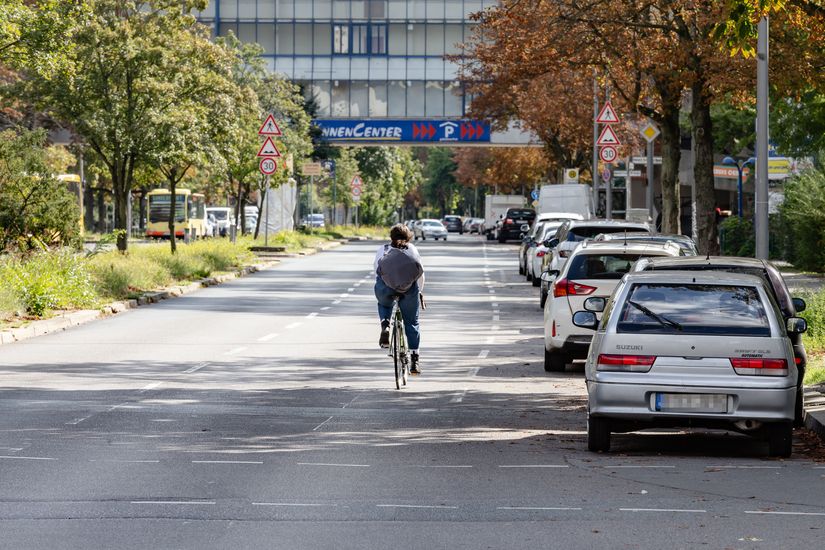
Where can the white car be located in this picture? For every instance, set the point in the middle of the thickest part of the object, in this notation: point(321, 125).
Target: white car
point(593, 270)
point(535, 255)
point(432, 229)
point(224, 217)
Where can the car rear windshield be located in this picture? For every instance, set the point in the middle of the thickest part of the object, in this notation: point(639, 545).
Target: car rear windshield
point(521, 214)
point(582, 233)
point(219, 214)
point(433, 224)
point(722, 310)
point(600, 266)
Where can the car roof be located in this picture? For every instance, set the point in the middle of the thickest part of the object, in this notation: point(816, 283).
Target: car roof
point(430, 220)
point(711, 261)
point(606, 223)
point(643, 235)
point(600, 247)
point(699, 277)
point(559, 216)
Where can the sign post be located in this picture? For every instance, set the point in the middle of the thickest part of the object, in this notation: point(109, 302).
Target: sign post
point(269, 154)
point(356, 189)
point(650, 132)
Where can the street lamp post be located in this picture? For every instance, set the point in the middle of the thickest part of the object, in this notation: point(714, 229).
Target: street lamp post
point(740, 167)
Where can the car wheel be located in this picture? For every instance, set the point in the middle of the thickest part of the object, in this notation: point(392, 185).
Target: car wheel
point(780, 439)
point(489, 236)
point(554, 361)
point(543, 299)
point(536, 280)
point(501, 239)
point(598, 434)
point(521, 269)
point(799, 409)
point(528, 275)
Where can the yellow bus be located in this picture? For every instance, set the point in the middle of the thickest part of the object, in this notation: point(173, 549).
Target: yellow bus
point(190, 213)
point(74, 185)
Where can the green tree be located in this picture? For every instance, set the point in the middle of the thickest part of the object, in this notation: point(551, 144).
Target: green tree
point(798, 125)
point(440, 185)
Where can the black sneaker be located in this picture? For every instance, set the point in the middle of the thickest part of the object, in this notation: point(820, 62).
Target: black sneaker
point(414, 367)
point(384, 339)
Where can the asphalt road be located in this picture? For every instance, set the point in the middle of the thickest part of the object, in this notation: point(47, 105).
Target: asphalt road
point(261, 414)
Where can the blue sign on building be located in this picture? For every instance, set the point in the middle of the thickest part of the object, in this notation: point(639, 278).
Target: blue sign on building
point(409, 132)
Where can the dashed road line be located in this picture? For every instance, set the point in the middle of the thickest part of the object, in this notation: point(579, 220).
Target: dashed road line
point(294, 325)
point(312, 315)
point(534, 466)
point(227, 462)
point(447, 466)
point(428, 506)
point(483, 354)
point(173, 502)
point(77, 421)
point(115, 461)
point(268, 337)
point(321, 424)
point(333, 464)
point(300, 504)
point(324, 308)
point(151, 386)
point(667, 510)
point(751, 467)
point(196, 368)
point(542, 508)
point(5, 457)
point(778, 513)
point(336, 302)
point(635, 466)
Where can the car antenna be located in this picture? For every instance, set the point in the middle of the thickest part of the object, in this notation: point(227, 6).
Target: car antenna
point(625, 237)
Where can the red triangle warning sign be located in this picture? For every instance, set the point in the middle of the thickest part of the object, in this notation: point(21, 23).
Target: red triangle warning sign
point(268, 149)
point(608, 137)
point(607, 115)
point(270, 127)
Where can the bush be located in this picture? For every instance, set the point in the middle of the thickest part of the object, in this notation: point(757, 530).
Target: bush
point(120, 276)
point(803, 217)
point(737, 237)
point(815, 315)
point(47, 281)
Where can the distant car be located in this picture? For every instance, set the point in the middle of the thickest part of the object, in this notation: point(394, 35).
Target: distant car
point(509, 227)
point(535, 255)
point(473, 225)
point(432, 229)
point(224, 217)
point(313, 220)
point(211, 225)
point(527, 242)
point(690, 348)
point(453, 224)
point(683, 241)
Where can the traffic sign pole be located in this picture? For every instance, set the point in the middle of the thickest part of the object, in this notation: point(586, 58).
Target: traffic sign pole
point(266, 213)
point(595, 168)
point(649, 196)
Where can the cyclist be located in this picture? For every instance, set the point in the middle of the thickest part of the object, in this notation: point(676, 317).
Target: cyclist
point(399, 273)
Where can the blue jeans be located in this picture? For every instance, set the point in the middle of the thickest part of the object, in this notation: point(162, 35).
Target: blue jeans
point(407, 302)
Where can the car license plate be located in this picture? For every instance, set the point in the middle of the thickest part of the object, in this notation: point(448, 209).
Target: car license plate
point(691, 402)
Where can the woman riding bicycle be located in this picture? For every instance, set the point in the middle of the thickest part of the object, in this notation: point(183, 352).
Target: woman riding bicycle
point(399, 273)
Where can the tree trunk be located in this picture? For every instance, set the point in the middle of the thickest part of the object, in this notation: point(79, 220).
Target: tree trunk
point(142, 211)
point(89, 207)
point(173, 188)
point(707, 233)
point(239, 199)
point(671, 154)
point(261, 206)
point(101, 211)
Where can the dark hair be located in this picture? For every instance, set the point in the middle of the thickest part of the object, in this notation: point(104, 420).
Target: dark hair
point(400, 235)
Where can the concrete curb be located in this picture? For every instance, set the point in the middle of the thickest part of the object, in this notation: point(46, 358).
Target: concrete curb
point(815, 410)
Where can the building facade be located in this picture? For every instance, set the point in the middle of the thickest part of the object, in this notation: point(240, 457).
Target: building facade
point(362, 59)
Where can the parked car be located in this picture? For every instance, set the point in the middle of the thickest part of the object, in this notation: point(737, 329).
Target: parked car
point(473, 225)
point(788, 305)
point(528, 241)
point(313, 221)
point(594, 270)
point(453, 224)
point(685, 243)
point(531, 240)
point(211, 225)
point(687, 348)
point(509, 227)
point(224, 217)
point(432, 229)
point(535, 256)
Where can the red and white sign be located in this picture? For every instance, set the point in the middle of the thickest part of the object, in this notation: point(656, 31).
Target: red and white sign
point(268, 166)
point(268, 149)
point(608, 137)
point(270, 127)
point(356, 187)
point(608, 153)
point(607, 115)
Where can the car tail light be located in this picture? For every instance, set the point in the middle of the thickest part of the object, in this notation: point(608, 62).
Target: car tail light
point(564, 253)
point(797, 360)
point(759, 366)
point(571, 288)
point(541, 253)
point(625, 363)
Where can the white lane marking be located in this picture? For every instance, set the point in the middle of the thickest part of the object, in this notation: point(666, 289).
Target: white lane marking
point(196, 368)
point(497, 311)
point(494, 304)
point(322, 423)
point(662, 510)
point(345, 295)
point(336, 302)
point(234, 351)
point(490, 340)
point(496, 327)
point(124, 461)
point(12, 449)
point(491, 291)
point(762, 512)
point(534, 466)
point(430, 506)
point(324, 308)
point(119, 405)
point(333, 464)
point(227, 462)
point(312, 315)
point(289, 504)
point(359, 283)
point(26, 457)
point(293, 325)
point(483, 354)
point(173, 502)
point(492, 297)
point(537, 508)
point(151, 386)
point(268, 337)
point(635, 466)
point(496, 318)
point(731, 467)
point(350, 289)
point(77, 421)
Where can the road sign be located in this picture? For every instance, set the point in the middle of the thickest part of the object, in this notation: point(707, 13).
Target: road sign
point(607, 115)
point(534, 194)
point(268, 166)
point(608, 153)
point(270, 127)
point(649, 131)
point(356, 181)
point(608, 137)
point(623, 173)
point(606, 175)
point(268, 149)
point(571, 175)
point(311, 169)
point(643, 160)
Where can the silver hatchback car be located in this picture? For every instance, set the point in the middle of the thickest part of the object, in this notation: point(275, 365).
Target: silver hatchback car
point(707, 349)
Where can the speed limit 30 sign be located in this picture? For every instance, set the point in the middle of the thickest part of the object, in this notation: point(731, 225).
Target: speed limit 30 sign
point(268, 166)
point(608, 153)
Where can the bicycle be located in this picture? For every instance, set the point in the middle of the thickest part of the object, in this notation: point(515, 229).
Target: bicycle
point(398, 346)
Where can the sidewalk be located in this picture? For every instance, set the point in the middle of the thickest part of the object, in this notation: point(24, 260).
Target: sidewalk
point(815, 409)
point(800, 282)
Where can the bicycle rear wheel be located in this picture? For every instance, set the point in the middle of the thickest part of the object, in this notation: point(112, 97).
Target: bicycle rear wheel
point(396, 355)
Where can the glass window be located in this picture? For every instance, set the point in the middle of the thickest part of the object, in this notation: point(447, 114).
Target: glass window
point(417, 9)
point(396, 68)
point(582, 233)
point(266, 9)
point(397, 39)
point(435, 9)
point(397, 98)
point(452, 100)
point(323, 9)
point(208, 12)
point(283, 34)
point(416, 39)
point(285, 9)
point(340, 9)
point(415, 99)
point(229, 9)
point(359, 9)
point(226, 28)
point(435, 39)
point(322, 39)
point(266, 37)
point(321, 95)
point(378, 39)
point(452, 9)
point(471, 7)
point(321, 67)
point(453, 37)
point(283, 65)
point(377, 9)
point(359, 98)
point(303, 39)
point(415, 69)
point(600, 266)
point(435, 99)
point(360, 68)
point(398, 9)
point(246, 9)
point(303, 9)
point(694, 309)
point(378, 99)
point(246, 32)
point(340, 98)
point(340, 38)
point(360, 38)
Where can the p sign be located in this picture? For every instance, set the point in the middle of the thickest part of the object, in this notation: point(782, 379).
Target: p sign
point(268, 166)
point(608, 153)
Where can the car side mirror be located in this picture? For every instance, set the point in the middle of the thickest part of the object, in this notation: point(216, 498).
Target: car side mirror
point(799, 304)
point(595, 304)
point(796, 325)
point(550, 275)
point(585, 319)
